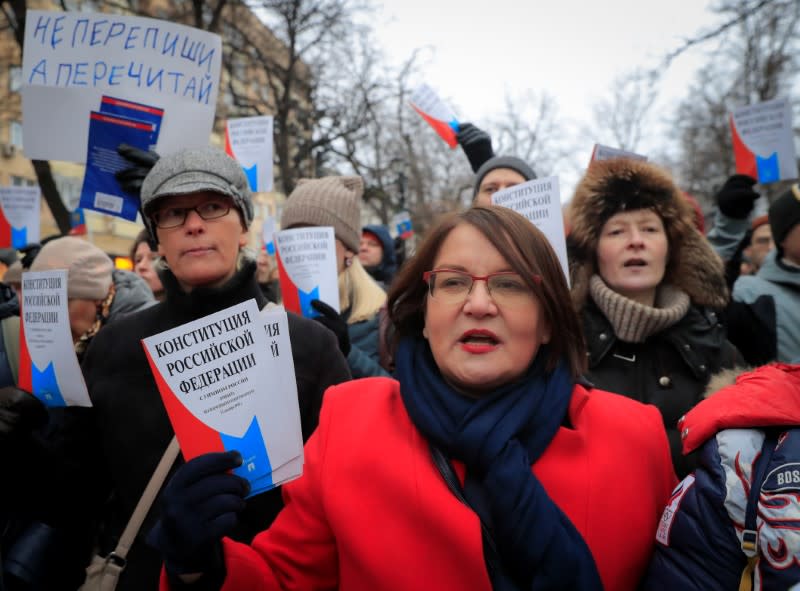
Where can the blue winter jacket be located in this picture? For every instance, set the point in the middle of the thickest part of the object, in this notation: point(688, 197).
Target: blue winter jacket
point(700, 536)
point(384, 272)
point(364, 358)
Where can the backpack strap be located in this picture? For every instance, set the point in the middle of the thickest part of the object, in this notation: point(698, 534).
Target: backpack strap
point(750, 533)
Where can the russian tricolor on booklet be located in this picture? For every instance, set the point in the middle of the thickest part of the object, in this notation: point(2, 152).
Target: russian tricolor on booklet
point(19, 216)
point(436, 112)
point(48, 366)
point(403, 227)
point(227, 382)
point(763, 141)
point(249, 141)
point(307, 268)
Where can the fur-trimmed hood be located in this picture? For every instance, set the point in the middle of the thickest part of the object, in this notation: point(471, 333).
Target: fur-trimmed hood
point(611, 186)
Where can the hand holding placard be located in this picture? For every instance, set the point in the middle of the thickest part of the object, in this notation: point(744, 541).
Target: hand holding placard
point(227, 381)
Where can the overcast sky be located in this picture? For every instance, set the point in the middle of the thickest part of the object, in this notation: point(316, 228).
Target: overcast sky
point(572, 49)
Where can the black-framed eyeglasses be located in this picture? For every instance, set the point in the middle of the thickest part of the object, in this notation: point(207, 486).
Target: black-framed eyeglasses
point(172, 217)
point(452, 286)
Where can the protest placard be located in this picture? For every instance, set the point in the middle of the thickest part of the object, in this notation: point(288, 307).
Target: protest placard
point(101, 191)
point(48, 366)
point(307, 267)
point(763, 141)
point(600, 152)
point(401, 222)
point(19, 217)
point(436, 112)
point(249, 141)
point(72, 59)
point(268, 234)
point(539, 201)
point(227, 382)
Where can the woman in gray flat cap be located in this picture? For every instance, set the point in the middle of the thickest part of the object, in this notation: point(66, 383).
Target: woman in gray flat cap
point(197, 206)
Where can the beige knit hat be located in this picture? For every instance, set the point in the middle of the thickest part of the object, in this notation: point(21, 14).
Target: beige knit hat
point(89, 268)
point(329, 201)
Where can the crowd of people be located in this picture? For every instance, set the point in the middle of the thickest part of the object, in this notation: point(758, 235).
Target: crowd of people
point(472, 418)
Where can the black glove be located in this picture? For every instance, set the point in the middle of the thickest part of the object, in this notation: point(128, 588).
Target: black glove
point(333, 321)
point(20, 413)
point(130, 179)
point(476, 143)
point(198, 507)
point(737, 197)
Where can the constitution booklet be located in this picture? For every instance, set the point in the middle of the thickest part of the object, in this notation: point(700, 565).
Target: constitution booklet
point(228, 383)
point(48, 365)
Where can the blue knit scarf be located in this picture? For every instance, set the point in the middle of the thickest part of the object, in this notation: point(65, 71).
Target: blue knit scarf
point(498, 437)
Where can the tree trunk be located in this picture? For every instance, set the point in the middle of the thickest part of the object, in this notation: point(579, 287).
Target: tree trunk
point(47, 184)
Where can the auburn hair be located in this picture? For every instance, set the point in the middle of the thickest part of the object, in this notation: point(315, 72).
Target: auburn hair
point(527, 251)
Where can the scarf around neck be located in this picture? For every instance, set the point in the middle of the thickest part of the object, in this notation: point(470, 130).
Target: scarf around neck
point(498, 437)
point(202, 301)
point(634, 322)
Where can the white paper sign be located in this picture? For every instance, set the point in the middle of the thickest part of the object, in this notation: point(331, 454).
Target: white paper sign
point(249, 141)
point(763, 141)
point(539, 201)
point(601, 152)
point(21, 212)
point(307, 267)
point(72, 58)
point(234, 374)
point(55, 376)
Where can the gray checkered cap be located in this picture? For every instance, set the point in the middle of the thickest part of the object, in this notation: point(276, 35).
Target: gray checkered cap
point(194, 170)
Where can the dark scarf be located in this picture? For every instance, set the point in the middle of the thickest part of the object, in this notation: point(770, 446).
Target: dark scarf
point(498, 437)
point(202, 301)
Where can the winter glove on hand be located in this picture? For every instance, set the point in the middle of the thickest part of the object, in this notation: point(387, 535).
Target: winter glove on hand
point(476, 143)
point(334, 322)
point(131, 179)
point(20, 413)
point(737, 197)
point(198, 507)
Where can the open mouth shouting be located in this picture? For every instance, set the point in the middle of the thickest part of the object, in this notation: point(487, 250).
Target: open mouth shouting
point(479, 341)
point(635, 263)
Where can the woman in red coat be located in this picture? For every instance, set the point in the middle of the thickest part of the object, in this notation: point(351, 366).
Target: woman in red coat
point(486, 465)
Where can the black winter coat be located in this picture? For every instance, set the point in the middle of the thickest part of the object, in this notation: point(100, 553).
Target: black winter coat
point(131, 425)
point(669, 370)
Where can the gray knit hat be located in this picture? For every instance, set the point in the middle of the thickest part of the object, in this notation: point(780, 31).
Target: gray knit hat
point(194, 170)
point(88, 268)
point(511, 162)
point(329, 201)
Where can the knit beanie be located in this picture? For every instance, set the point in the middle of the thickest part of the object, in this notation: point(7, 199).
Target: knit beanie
point(515, 164)
point(88, 268)
point(328, 201)
point(758, 222)
point(784, 214)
